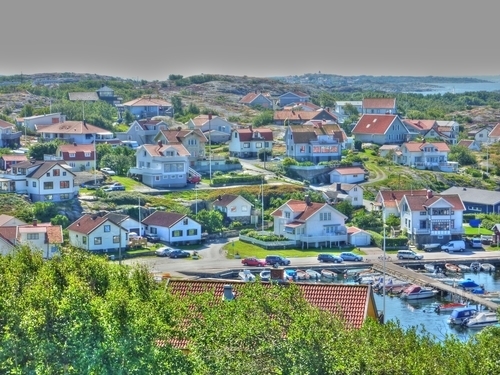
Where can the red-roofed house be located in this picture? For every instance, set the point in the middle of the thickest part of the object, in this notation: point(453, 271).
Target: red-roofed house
point(192, 139)
point(349, 175)
point(143, 131)
point(44, 237)
point(445, 130)
point(162, 165)
point(234, 207)
point(255, 98)
point(381, 129)
point(9, 136)
point(380, 106)
point(388, 201)
point(173, 228)
point(432, 218)
point(78, 157)
point(301, 117)
point(214, 127)
point(426, 155)
point(8, 160)
point(79, 132)
point(148, 106)
point(293, 97)
point(341, 191)
point(420, 126)
point(470, 144)
point(247, 142)
point(358, 237)
point(494, 135)
point(308, 223)
point(304, 106)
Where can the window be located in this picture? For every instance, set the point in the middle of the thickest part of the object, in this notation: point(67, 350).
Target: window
point(244, 208)
point(157, 178)
point(48, 174)
point(324, 216)
point(26, 183)
point(185, 221)
point(64, 196)
point(232, 208)
point(354, 175)
point(71, 154)
point(153, 230)
point(64, 184)
point(116, 239)
point(441, 225)
point(440, 211)
point(56, 172)
point(97, 240)
point(87, 154)
point(64, 173)
point(34, 184)
point(192, 232)
point(173, 176)
point(287, 215)
point(177, 233)
point(32, 236)
point(423, 224)
point(72, 164)
point(48, 197)
point(423, 213)
point(246, 145)
point(258, 145)
point(84, 240)
point(355, 189)
point(107, 228)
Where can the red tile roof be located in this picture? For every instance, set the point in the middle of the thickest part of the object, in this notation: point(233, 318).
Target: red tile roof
point(349, 170)
point(418, 203)
point(147, 102)
point(391, 198)
point(14, 157)
point(176, 136)
point(293, 115)
point(88, 223)
point(5, 124)
point(420, 124)
point(54, 234)
point(250, 134)
point(373, 124)
point(496, 131)
point(418, 146)
point(465, 143)
point(163, 219)
point(157, 150)
point(78, 150)
point(9, 233)
point(381, 103)
point(303, 210)
point(309, 105)
point(72, 127)
point(251, 96)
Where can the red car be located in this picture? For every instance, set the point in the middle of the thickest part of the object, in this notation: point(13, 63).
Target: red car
point(252, 261)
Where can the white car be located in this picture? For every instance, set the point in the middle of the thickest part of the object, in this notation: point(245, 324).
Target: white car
point(108, 171)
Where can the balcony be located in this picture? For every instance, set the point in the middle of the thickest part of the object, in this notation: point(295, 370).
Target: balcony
point(11, 136)
point(438, 232)
point(327, 238)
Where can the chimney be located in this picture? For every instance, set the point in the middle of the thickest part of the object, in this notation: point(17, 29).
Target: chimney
point(250, 128)
point(277, 274)
point(219, 197)
point(160, 144)
point(84, 123)
point(339, 187)
point(307, 199)
point(35, 222)
point(429, 194)
point(74, 144)
point(228, 293)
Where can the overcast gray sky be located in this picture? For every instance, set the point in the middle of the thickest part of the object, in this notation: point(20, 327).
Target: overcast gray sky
point(151, 39)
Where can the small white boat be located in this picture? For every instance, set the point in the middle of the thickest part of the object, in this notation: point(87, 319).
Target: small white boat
point(464, 267)
point(431, 267)
point(418, 292)
point(313, 275)
point(481, 319)
point(367, 280)
point(246, 275)
point(475, 266)
point(302, 275)
point(487, 267)
point(452, 268)
point(328, 274)
point(265, 275)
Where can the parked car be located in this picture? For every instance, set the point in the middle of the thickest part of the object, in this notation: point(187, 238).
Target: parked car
point(254, 262)
point(277, 260)
point(455, 245)
point(409, 254)
point(330, 258)
point(179, 254)
point(108, 171)
point(154, 238)
point(164, 251)
point(349, 256)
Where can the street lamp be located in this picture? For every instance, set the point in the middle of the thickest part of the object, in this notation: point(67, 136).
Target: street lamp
point(210, 145)
point(384, 274)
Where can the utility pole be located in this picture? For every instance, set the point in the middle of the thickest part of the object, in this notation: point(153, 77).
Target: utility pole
point(210, 144)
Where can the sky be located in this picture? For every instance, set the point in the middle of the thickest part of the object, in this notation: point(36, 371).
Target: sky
point(151, 39)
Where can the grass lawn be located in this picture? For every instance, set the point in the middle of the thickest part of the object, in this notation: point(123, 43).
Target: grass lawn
point(247, 250)
point(469, 231)
point(128, 182)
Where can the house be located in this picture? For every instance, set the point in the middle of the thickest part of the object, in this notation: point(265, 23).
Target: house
point(480, 135)
point(432, 218)
point(98, 233)
point(421, 127)
point(445, 130)
point(387, 201)
point(32, 122)
point(379, 106)
point(143, 131)
point(173, 228)
point(215, 128)
point(309, 223)
point(255, 98)
point(247, 142)
point(83, 96)
point(305, 106)
point(315, 143)
point(293, 97)
point(126, 222)
point(148, 106)
point(470, 144)
point(358, 237)
point(162, 165)
point(193, 140)
point(234, 207)
point(390, 151)
point(426, 155)
point(381, 129)
point(348, 192)
point(477, 200)
point(287, 117)
point(79, 132)
point(8, 160)
point(78, 157)
point(494, 135)
point(340, 108)
point(7, 239)
point(7, 221)
point(350, 175)
point(41, 236)
point(50, 181)
point(9, 135)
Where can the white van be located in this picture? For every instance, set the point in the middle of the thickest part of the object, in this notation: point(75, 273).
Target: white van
point(456, 245)
point(476, 243)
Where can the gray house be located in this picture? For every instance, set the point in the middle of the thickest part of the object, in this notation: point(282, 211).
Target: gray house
point(293, 97)
point(477, 200)
point(382, 129)
point(143, 131)
point(257, 99)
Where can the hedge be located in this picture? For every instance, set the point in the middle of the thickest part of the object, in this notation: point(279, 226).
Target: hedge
point(392, 243)
point(236, 179)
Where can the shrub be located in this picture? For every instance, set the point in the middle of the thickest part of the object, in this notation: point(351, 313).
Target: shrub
point(378, 240)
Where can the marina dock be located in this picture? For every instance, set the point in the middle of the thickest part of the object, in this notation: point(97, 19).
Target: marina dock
point(400, 272)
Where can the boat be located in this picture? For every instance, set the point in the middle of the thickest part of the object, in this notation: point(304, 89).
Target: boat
point(367, 280)
point(356, 271)
point(431, 267)
point(467, 284)
point(313, 275)
point(452, 268)
point(481, 319)
point(290, 274)
point(475, 266)
point(487, 267)
point(246, 275)
point(459, 315)
point(432, 247)
point(418, 292)
point(302, 275)
point(265, 275)
point(328, 274)
point(464, 267)
point(448, 307)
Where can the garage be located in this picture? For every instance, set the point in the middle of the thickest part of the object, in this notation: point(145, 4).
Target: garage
point(358, 237)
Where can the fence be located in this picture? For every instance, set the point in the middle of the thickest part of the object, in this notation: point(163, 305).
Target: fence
point(268, 245)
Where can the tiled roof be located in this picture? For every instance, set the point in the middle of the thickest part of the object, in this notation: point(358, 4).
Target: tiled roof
point(78, 150)
point(163, 219)
point(44, 167)
point(381, 103)
point(349, 170)
point(353, 230)
point(420, 124)
point(14, 157)
point(147, 102)
point(250, 134)
point(373, 124)
point(146, 122)
point(86, 96)
point(87, 223)
point(309, 105)
point(496, 131)
point(5, 218)
point(72, 127)
point(293, 115)
point(200, 120)
point(304, 210)
point(251, 96)
point(5, 124)
point(308, 133)
point(9, 233)
point(418, 146)
point(391, 198)
point(297, 93)
point(465, 143)
point(417, 203)
point(224, 200)
point(175, 136)
point(157, 150)
point(54, 234)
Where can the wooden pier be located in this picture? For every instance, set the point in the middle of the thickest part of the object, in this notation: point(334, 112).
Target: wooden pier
point(403, 273)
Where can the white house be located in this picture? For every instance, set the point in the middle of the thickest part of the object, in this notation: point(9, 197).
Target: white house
point(162, 165)
point(97, 233)
point(445, 130)
point(494, 134)
point(358, 237)
point(309, 223)
point(143, 131)
point(470, 144)
point(480, 135)
point(41, 180)
point(432, 218)
point(173, 228)
point(78, 132)
point(348, 192)
point(7, 221)
point(148, 106)
point(234, 207)
point(193, 140)
point(349, 175)
point(214, 127)
point(388, 201)
point(379, 106)
point(125, 221)
point(31, 122)
point(426, 155)
point(9, 136)
point(247, 142)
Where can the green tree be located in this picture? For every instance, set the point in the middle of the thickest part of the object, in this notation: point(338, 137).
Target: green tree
point(61, 220)
point(393, 221)
point(211, 220)
point(345, 207)
point(128, 117)
point(37, 150)
point(26, 111)
point(177, 104)
point(263, 118)
point(326, 100)
point(44, 211)
point(462, 155)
